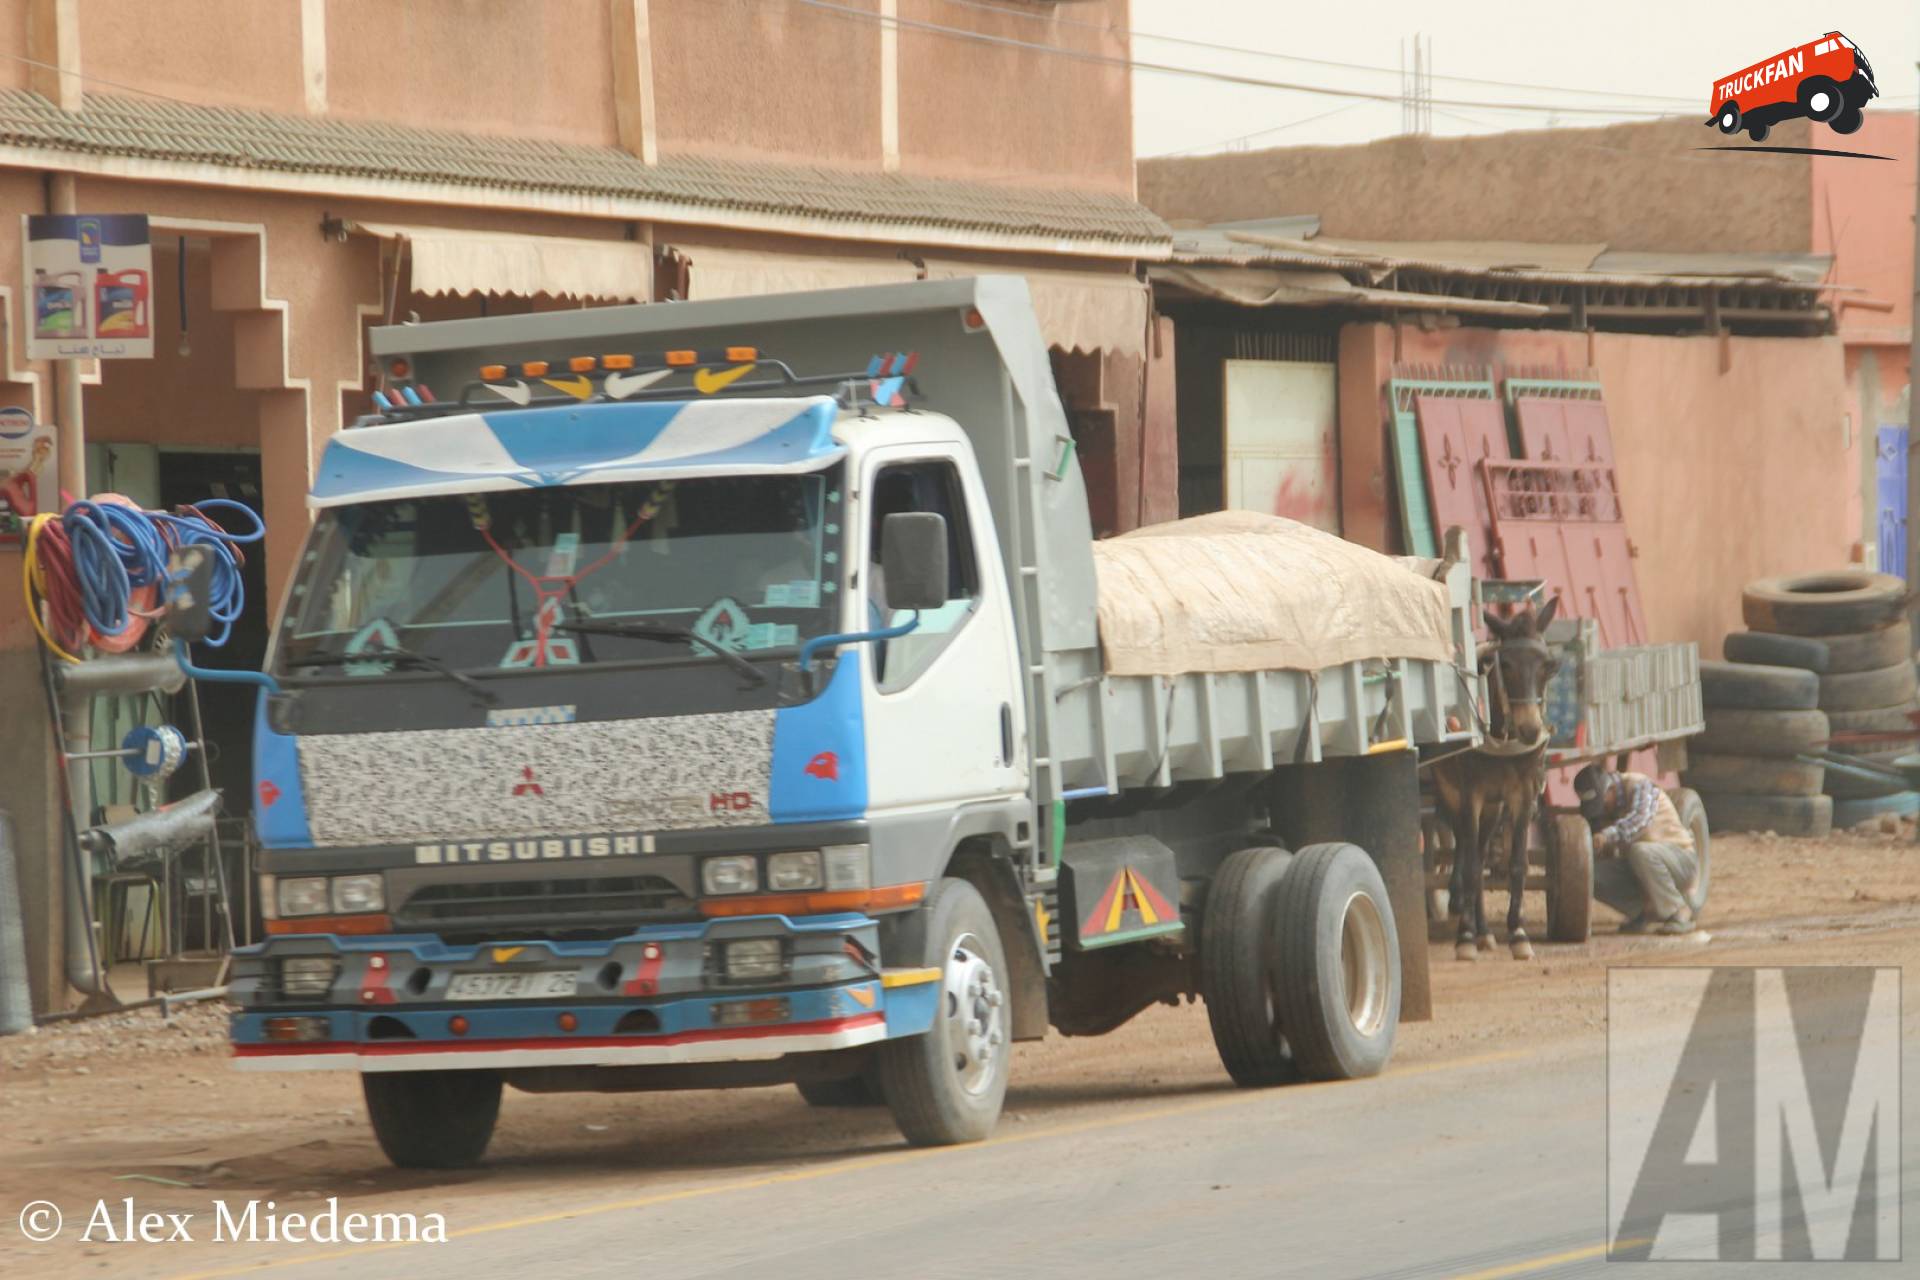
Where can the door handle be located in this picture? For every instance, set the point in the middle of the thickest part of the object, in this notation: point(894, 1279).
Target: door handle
point(1006, 733)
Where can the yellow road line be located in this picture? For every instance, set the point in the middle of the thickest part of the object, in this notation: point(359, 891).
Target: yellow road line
point(1115, 1121)
point(1542, 1263)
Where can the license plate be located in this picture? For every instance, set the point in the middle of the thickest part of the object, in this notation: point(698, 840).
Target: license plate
point(512, 986)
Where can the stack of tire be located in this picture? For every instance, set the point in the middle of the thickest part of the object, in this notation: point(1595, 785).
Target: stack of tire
point(1759, 717)
point(1847, 631)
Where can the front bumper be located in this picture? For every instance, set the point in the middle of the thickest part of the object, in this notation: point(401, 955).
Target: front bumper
point(653, 997)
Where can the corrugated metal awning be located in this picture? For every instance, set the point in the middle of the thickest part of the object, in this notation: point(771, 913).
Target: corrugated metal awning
point(445, 260)
point(738, 273)
point(1077, 310)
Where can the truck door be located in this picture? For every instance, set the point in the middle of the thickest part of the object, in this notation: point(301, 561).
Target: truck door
point(945, 721)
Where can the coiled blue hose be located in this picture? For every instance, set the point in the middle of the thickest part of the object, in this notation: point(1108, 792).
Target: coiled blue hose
point(119, 549)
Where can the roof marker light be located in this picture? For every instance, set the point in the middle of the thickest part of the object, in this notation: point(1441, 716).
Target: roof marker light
point(616, 362)
point(493, 373)
point(680, 359)
point(738, 355)
point(534, 369)
point(582, 364)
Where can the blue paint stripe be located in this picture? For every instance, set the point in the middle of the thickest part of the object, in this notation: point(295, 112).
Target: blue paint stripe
point(820, 754)
point(276, 764)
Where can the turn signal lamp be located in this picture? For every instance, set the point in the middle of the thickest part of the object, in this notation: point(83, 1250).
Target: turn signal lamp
point(492, 372)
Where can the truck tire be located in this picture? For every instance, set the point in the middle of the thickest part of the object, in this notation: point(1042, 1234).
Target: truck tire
point(1854, 782)
point(1823, 604)
point(432, 1119)
point(1569, 878)
point(1783, 815)
point(1768, 649)
point(1237, 951)
point(1337, 980)
point(1820, 98)
point(1848, 121)
point(1867, 690)
point(1760, 733)
point(1869, 650)
point(1851, 813)
point(948, 1085)
point(1740, 686)
point(1875, 720)
point(1693, 816)
point(1753, 775)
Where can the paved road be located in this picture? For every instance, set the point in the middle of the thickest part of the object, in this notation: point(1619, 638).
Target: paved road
point(1484, 1166)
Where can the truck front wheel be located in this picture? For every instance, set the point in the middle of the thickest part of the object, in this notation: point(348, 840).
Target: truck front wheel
point(947, 1086)
point(1337, 974)
point(433, 1119)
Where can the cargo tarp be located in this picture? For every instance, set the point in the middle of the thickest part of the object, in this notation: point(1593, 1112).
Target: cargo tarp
point(1240, 591)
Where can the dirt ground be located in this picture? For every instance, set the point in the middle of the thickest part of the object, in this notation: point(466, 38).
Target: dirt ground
point(132, 1104)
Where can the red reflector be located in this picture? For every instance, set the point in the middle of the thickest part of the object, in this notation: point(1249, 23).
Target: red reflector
point(294, 1029)
point(457, 1025)
point(568, 1022)
point(973, 321)
point(399, 367)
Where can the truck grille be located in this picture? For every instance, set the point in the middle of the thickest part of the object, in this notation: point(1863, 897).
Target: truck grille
point(574, 908)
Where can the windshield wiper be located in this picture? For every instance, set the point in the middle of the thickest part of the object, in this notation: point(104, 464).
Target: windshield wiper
point(664, 631)
point(395, 654)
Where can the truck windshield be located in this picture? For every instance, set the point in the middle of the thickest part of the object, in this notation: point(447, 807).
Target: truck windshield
point(500, 580)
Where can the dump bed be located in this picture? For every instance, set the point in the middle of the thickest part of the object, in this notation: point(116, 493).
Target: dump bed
point(981, 361)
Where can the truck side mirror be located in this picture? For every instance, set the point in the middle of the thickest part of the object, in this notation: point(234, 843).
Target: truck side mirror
point(913, 557)
point(190, 592)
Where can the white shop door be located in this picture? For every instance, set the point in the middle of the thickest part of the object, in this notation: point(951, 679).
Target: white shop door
point(1282, 455)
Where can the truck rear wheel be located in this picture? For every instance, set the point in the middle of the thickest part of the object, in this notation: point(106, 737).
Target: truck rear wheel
point(947, 1086)
point(433, 1119)
point(1236, 966)
point(1337, 978)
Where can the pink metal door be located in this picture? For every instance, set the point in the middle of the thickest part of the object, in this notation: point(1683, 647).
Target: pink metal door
point(1456, 434)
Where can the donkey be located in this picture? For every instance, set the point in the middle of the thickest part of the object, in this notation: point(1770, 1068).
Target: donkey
point(1493, 790)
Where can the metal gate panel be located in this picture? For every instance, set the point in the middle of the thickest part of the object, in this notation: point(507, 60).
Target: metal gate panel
point(1563, 524)
point(1420, 533)
point(1890, 479)
point(1281, 426)
point(1456, 435)
point(1573, 431)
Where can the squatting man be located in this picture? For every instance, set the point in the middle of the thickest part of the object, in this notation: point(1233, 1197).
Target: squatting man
point(1646, 862)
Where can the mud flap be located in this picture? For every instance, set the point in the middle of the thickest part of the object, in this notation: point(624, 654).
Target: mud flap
point(1118, 890)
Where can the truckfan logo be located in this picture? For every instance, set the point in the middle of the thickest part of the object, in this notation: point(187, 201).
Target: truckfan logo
point(1828, 81)
point(1760, 1124)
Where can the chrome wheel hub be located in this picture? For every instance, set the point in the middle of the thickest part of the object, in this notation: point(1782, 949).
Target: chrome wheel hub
point(974, 1009)
point(1363, 964)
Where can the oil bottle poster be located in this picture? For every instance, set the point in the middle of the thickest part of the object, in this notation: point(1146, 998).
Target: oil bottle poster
point(29, 475)
point(89, 286)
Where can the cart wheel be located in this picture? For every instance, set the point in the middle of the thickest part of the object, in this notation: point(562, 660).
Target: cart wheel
point(1569, 850)
point(1693, 815)
point(1436, 852)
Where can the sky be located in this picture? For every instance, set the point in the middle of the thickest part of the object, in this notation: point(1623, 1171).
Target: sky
point(1668, 54)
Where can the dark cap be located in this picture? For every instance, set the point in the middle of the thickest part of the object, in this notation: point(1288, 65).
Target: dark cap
point(1590, 784)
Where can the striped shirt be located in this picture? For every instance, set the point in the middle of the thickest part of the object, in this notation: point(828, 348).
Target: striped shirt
point(1650, 816)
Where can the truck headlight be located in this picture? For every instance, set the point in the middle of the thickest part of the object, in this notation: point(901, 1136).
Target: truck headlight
point(753, 958)
point(358, 893)
point(308, 975)
point(797, 870)
point(849, 866)
point(739, 873)
point(303, 896)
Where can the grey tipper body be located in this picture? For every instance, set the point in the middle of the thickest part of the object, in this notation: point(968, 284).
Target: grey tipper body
point(869, 846)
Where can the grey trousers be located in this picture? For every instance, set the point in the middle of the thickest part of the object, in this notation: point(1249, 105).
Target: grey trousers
point(1649, 879)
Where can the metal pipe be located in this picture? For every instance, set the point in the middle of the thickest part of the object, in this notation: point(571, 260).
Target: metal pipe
point(84, 970)
point(16, 1002)
point(121, 673)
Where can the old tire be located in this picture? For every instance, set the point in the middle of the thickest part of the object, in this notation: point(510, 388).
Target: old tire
point(948, 1085)
point(1851, 813)
point(1693, 816)
point(1336, 981)
point(1874, 720)
point(1852, 782)
point(1869, 650)
point(1784, 815)
point(1237, 956)
point(1739, 686)
point(1824, 604)
point(1760, 733)
point(1569, 851)
point(1768, 649)
point(1868, 690)
point(432, 1119)
point(1753, 775)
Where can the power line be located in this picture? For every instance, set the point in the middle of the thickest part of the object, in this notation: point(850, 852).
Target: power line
point(1226, 143)
point(1199, 73)
point(1136, 34)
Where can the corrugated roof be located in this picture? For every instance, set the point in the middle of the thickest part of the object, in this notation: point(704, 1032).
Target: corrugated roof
point(245, 139)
